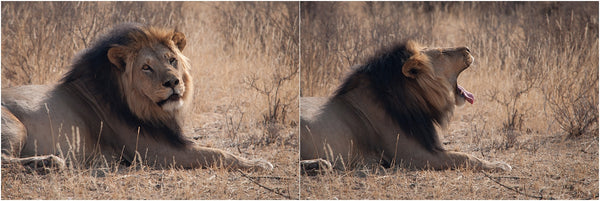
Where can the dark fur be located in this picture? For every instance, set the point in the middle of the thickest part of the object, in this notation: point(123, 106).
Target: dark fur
point(93, 68)
point(386, 80)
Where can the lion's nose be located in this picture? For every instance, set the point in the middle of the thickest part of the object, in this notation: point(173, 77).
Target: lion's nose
point(171, 82)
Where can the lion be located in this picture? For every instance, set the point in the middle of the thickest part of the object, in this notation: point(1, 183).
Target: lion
point(124, 100)
point(387, 112)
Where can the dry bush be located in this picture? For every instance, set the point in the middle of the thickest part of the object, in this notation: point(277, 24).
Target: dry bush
point(550, 49)
point(256, 30)
point(571, 87)
point(574, 103)
point(562, 65)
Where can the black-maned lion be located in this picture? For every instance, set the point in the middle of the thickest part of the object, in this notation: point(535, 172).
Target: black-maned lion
point(125, 98)
point(387, 110)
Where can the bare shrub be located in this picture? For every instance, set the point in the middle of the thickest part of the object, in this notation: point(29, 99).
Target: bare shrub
point(574, 108)
point(510, 101)
point(278, 105)
point(269, 29)
point(571, 87)
point(234, 117)
point(527, 78)
point(572, 91)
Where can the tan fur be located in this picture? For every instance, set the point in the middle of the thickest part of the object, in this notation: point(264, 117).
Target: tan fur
point(73, 119)
point(354, 128)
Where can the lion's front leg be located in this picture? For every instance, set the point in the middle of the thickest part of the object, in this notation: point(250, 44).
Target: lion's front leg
point(413, 155)
point(451, 160)
point(196, 156)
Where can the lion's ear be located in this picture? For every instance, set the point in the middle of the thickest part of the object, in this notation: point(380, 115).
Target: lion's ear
point(179, 40)
point(116, 55)
point(412, 68)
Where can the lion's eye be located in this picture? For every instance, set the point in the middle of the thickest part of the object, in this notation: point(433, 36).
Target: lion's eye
point(146, 67)
point(172, 61)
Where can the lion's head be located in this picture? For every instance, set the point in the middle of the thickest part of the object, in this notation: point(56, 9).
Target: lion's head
point(141, 73)
point(434, 72)
point(417, 86)
point(154, 78)
point(437, 65)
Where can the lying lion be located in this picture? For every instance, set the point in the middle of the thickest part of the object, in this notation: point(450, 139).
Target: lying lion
point(386, 113)
point(125, 100)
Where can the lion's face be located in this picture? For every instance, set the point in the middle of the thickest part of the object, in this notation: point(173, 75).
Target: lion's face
point(438, 68)
point(155, 79)
point(158, 76)
point(449, 63)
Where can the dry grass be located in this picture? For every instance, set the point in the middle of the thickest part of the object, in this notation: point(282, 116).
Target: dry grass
point(535, 79)
point(245, 64)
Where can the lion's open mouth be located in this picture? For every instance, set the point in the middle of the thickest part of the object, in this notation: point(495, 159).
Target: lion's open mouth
point(173, 97)
point(465, 94)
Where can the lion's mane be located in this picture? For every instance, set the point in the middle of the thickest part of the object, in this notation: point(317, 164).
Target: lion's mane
point(92, 68)
point(416, 105)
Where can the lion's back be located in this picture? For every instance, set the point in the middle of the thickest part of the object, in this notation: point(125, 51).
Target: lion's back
point(327, 123)
point(309, 106)
point(26, 98)
point(45, 111)
point(36, 104)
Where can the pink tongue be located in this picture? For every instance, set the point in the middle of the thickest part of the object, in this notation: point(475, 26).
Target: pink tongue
point(468, 95)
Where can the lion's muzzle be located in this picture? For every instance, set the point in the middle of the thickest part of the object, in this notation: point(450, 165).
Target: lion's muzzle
point(173, 102)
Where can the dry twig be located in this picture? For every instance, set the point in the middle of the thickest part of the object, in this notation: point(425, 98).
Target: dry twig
point(269, 189)
point(516, 190)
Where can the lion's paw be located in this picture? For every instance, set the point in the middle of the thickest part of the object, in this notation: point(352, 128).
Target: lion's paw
point(44, 164)
point(262, 165)
point(315, 166)
point(502, 166)
point(49, 161)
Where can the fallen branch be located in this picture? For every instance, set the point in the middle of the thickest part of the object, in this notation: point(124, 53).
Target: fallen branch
point(269, 189)
point(509, 177)
point(272, 177)
point(516, 190)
